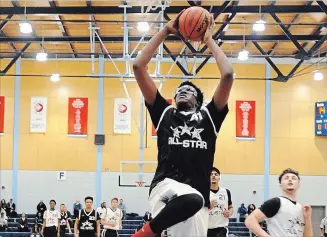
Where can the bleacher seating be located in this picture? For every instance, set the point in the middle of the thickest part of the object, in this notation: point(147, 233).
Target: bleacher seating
point(129, 227)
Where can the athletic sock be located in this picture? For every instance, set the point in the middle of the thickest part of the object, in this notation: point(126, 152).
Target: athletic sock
point(145, 231)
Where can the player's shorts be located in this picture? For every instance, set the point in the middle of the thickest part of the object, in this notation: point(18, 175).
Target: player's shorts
point(218, 232)
point(195, 226)
point(109, 233)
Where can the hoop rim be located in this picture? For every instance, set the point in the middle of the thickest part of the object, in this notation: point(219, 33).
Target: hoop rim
point(140, 184)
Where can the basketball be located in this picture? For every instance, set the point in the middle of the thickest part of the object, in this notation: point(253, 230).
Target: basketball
point(193, 22)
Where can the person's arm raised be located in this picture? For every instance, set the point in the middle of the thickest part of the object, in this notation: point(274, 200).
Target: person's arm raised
point(145, 82)
point(222, 92)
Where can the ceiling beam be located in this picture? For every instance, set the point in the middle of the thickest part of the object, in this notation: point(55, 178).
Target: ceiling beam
point(173, 9)
point(112, 39)
point(2, 26)
point(62, 27)
point(288, 27)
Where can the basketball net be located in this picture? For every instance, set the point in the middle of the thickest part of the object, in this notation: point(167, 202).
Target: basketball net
point(140, 184)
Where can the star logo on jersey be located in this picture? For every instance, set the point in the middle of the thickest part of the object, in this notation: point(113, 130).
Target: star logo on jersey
point(185, 129)
point(191, 137)
point(196, 133)
point(87, 226)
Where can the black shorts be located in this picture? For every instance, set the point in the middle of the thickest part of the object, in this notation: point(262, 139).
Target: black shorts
point(62, 231)
point(109, 233)
point(86, 234)
point(218, 232)
point(50, 231)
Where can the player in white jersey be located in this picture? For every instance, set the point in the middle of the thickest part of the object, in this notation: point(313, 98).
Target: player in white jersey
point(51, 219)
point(111, 219)
point(285, 216)
point(221, 207)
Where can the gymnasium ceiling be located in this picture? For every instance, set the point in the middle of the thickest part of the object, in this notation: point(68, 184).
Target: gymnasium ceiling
point(294, 29)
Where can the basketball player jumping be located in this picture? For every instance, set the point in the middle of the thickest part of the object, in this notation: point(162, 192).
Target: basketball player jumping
point(284, 215)
point(179, 192)
point(221, 208)
point(87, 224)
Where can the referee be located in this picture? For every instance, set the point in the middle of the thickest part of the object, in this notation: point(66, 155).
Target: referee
point(51, 219)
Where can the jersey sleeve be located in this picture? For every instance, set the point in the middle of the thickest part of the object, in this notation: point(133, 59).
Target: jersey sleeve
point(270, 207)
point(158, 109)
point(58, 215)
point(45, 215)
point(230, 203)
point(216, 116)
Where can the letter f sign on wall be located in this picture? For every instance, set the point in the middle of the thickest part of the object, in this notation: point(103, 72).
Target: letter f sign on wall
point(61, 175)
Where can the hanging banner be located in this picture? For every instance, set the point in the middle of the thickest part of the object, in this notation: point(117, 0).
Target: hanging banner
point(122, 116)
point(245, 120)
point(77, 116)
point(153, 132)
point(38, 123)
point(2, 114)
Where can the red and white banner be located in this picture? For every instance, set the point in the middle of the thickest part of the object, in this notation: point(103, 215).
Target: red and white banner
point(77, 116)
point(2, 114)
point(122, 116)
point(38, 122)
point(153, 131)
point(245, 119)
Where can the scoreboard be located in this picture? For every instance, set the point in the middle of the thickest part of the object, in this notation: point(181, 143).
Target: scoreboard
point(321, 118)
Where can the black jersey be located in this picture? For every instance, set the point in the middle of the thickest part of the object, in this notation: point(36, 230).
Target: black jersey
point(186, 143)
point(63, 220)
point(88, 222)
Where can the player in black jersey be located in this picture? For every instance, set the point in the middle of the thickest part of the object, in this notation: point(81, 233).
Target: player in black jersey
point(179, 192)
point(87, 224)
point(64, 221)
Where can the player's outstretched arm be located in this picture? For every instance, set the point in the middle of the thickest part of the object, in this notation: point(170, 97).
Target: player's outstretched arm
point(225, 67)
point(146, 84)
point(253, 220)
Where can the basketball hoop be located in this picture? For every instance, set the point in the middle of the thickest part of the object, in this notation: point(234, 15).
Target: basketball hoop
point(140, 184)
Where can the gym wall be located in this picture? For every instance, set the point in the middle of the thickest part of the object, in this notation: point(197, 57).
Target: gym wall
point(293, 143)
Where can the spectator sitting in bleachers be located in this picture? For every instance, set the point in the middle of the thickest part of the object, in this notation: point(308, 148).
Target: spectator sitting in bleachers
point(35, 231)
point(3, 204)
point(122, 207)
point(242, 212)
point(23, 225)
point(11, 209)
point(102, 208)
point(38, 221)
point(41, 207)
point(3, 221)
point(77, 206)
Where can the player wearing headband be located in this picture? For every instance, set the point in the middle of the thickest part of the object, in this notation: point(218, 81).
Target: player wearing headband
point(179, 192)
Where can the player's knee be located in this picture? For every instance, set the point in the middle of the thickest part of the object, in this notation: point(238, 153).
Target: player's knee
point(195, 202)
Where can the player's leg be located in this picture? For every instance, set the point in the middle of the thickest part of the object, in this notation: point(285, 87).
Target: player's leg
point(62, 231)
point(223, 232)
point(195, 226)
point(171, 202)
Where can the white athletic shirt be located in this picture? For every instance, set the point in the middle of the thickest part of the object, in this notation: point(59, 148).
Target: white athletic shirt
point(223, 202)
point(51, 218)
point(113, 217)
point(323, 225)
point(285, 217)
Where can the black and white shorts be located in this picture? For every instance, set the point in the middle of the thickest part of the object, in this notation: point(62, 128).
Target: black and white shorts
point(194, 226)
